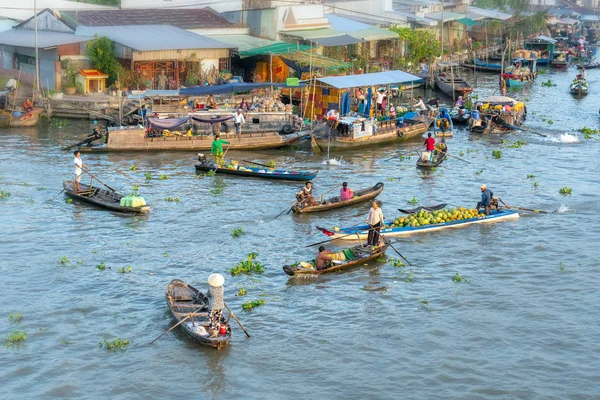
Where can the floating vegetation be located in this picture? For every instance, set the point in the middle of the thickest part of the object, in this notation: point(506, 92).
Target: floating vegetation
point(64, 260)
point(133, 168)
point(166, 254)
point(248, 266)
point(101, 267)
point(69, 200)
point(163, 177)
point(550, 122)
point(536, 185)
point(565, 191)
point(424, 302)
point(457, 278)
point(60, 123)
point(40, 188)
point(80, 262)
point(15, 318)
point(15, 338)
point(548, 83)
point(410, 278)
point(496, 153)
point(211, 172)
point(414, 201)
point(135, 188)
point(561, 267)
point(516, 145)
point(395, 262)
point(390, 179)
point(250, 305)
point(479, 172)
point(271, 164)
point(216, 191)
point(25, 184)
point(237, 232)
point(172, 199)
point(148, 175)
point(4, 195)
point(462, 153)
point(125, 270)
point(241, 292)
point(530, 176)
point(115, 345)
point(588, 133)
point(66, 342)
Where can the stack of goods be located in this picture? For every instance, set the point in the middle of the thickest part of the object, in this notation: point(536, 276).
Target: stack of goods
point(436, 217)
point(133, 201)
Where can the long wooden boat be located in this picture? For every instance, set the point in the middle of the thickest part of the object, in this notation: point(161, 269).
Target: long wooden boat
point(481, 65)
point(579, 87)
point(356, 232)
point(135, 139)
point(254, 172)
point(560, 59)
point(589, 65)
point(23, 121)
point(441, 156)
point(350, 257)
point(497, 114)
point(523, 69)
point(185, 301)
point(360, 196)
point(101, 197)
point(452, 88)
point(353, 132)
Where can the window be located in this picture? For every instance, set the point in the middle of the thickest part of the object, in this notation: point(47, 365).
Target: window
point(224, 64)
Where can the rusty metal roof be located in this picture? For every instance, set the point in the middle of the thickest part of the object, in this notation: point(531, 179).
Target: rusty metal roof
point(188, 18)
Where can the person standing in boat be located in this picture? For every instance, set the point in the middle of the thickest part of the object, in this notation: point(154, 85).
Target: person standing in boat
point(432, 105)
point(238, 121)
point(217, 149)
point(215, 303)
point(486, 199)
point(375, 221)
point(429, 146)
point(345, 192)
point(322, 260)
point(79, 166)
point(420, 105)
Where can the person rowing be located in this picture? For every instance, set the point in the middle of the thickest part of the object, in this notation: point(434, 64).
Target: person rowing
point(217, 149)
point(305, 196)
point(441, 146)
point(79, 166)
point(486, 199)
point(92, 137)
point(429, 148)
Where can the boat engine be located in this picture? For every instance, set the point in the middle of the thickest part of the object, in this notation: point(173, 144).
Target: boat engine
point(202, 158)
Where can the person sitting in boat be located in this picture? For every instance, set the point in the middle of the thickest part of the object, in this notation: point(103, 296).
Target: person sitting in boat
point(460, 103)
point(211, 104)
point(345, 192)
point(333, 117)
point(215, 303)
point(95, 135)
point(392, 111)
point(244, 106)
point(486, 199)
point(323, 260)
point(217, 149)
point(79, 166)
point(444, 120)
point(28, 106)
point(375, 220)
point(305, 196)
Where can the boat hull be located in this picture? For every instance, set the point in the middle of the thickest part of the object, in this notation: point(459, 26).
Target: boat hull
point(334, 203)
point(274, 174)
point(440, 158)
point(109, 201)
point(362, 231)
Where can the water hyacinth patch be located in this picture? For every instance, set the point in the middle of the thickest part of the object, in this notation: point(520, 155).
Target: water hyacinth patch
point(15, 318)
point(115, 345)
point(237, 232)
point(497, 154)
point(133, 168)
point(241, 292)
point(248, 266)
point(15, 338)
point(172, 199)
point(163, 177)
point(4, 195)
point(250, 305)
point(565, 191)
point(101, 267)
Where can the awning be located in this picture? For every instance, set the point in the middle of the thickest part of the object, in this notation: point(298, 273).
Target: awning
point(155, 93)
point(342, 40)
point(243, 42)
point(476, 13)
point(359, 30)
point(274, 49)
point(466, 21)
point(317, 61)
point(378, 78)
point(446, 16)
point(229, 88)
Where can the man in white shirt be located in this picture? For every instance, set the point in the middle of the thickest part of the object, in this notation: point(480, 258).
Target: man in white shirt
point(79, 165)
point(380, 96)
point(419, 105)
point(11, 85)
point(238, 120)
point(333, 116)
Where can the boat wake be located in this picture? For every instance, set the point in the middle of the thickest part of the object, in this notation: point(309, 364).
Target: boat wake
point(565, 138)
point(332, 161)
point(563, 209)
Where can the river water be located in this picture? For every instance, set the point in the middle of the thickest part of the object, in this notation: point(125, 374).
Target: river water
point(523, 323)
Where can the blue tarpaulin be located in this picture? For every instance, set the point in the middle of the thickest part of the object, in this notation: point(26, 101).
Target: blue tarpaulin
point(230, 88)
point(368, 106)
point(377, 78)
point(345, 104)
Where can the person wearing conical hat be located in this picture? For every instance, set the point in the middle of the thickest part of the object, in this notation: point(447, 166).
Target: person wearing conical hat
point(215, 303)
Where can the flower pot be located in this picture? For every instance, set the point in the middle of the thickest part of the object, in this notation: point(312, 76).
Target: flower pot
point(70, 90)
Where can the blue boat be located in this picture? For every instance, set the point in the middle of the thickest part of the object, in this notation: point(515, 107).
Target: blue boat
point(256, 172)
point(481, 65)
point(522, 71)
point(443, 125)
point(361, 232)
point(544, 45)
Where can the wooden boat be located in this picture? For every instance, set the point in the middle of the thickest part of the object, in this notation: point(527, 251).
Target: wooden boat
point(523, 69)
point(256, 172)
point(589, 65)
point(497, 114)
point(353, 132)
point(481, 65)
point(356, 232)
point(101, 197)
point(185, 301)
point(543, 46)
point(350, 257)
point(460, 116)
point(579, 87)
point(23, 121)
point(425, 164)
point(452, 87)
point(560, 59)
point(135, 139)
point(360, 196)
point(446, 120)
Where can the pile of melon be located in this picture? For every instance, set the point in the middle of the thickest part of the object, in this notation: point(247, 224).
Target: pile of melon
point(436, 217)
point(132, 201)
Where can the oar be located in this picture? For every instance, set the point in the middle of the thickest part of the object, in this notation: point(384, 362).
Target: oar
point(524, 209)
point(93, 176)
point(329, 191)
point(288, 208)
point(174, 326)
point(255, 163)
point(506, 124)
point(335, 238)
point(236, 319)
point(391, 158)
point(389, 243)
point(68, 186)
point(222, 158)
point(458, 158)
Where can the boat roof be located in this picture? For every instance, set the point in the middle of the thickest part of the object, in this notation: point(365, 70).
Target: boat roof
point(499, 100)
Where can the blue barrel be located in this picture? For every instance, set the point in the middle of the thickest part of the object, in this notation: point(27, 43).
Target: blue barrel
point(475, 114)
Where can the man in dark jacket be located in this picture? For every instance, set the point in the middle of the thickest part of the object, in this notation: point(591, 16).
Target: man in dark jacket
point(486, 199)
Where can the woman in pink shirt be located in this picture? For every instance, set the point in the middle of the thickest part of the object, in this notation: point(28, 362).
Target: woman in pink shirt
point(345, 192)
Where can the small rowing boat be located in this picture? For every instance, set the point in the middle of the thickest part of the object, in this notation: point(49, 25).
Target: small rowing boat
point(356, 232)
point(425, 164)
point(334, 202)
point(579, 87)
point(103, 198)
point(342, 259)
point(185, 301)
point(256, 172)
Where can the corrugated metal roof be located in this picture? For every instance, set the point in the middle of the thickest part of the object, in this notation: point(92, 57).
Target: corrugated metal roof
point(277, 48)
point(378, 78)
point(359, 30)
point(188, 18)
point(448, 16)
point(414, 18)
point(476, 13)
point(242, 42)
point(341, 40)
point(153, 37)
point(26, 38)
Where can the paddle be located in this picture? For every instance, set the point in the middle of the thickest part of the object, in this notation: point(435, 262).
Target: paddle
point(389, 243)
point(68, 186)
point(288, 209)
point(458, 158)
point(93, 176)
point(506, 124)
point(236, 319)
point(255, 163)
point(222, 159)
point(524, 209)
point(174, 326)
point(335, 238)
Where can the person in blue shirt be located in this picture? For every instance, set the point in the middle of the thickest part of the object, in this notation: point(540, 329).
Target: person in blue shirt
point(486, 199)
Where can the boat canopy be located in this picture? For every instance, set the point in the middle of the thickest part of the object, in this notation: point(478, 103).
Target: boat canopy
point(172, 123)
point(374, 79)
point(231, 88)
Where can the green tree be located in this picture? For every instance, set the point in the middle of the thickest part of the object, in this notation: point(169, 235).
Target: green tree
point(418, 45)
point(102, 53)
